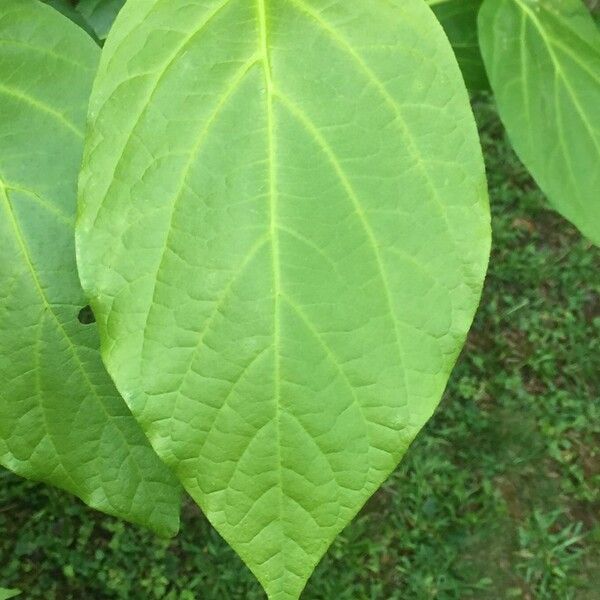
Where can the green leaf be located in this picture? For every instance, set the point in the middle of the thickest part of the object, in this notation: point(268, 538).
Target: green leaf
point(100, 14)
point(7, 594)
point(594, 8)
point(67, 9)
point(543, 60)
point(284, 228)
point(459, 19)
point(61, 419)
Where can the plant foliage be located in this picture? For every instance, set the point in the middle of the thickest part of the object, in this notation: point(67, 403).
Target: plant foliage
point(284, 310)
point(100, 14)
point(283, 232)
point(459, 19)
point(61, 419)
point(543, 59)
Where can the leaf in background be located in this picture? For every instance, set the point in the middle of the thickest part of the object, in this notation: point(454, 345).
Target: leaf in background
point(100, 14)
point(459, 19)
point(67, 9)
point(7, 594)
point(543, 61)
point(594, 6)
point(61, 419)
point(284, 228)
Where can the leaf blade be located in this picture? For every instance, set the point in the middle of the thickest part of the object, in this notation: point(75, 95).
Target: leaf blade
point(240, 338)
point(62, 421)
point(459, 20)
point(68, 10)
point(100, 14)
point(543, 61)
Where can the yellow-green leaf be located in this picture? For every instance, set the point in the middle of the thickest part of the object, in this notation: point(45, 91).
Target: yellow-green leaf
point(284, 230)
point(61, 419)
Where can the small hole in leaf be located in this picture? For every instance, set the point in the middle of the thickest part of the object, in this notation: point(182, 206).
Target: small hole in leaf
point(86, 316)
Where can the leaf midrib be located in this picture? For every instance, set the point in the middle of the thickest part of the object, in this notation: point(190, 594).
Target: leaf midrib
point(303, 8)
point(274, 236)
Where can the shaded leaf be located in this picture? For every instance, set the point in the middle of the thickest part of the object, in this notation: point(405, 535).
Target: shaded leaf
point(459, 19)
point(61, 419)
point(543, 60)
point(67, 9)
point(100, 14)
point(284, 232)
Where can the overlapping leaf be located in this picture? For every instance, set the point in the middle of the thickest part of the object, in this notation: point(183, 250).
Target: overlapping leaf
point(61, 419)
point(100, 14)
point(284, 229)
point(459, 19)
point(66, 8)
point(543, 60)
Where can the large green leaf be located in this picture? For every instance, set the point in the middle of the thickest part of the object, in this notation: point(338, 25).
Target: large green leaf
point(61, 419)
point(100, 14)
point(459, 19)
point(543, 60)
point(284, 229)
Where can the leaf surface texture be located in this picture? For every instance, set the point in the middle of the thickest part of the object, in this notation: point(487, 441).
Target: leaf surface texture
point(284, 229)
point(543, 61)
point(61, 419)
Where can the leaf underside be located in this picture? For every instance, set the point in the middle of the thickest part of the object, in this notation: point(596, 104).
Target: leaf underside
point(543, 61)
point(61, 419)
point(284, 229)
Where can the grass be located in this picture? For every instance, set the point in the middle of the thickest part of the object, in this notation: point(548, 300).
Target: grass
point(498, 497)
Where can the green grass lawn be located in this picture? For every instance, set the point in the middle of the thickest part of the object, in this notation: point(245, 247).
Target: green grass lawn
point(499, 497)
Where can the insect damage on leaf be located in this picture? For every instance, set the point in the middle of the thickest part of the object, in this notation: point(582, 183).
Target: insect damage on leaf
point(86, 316)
